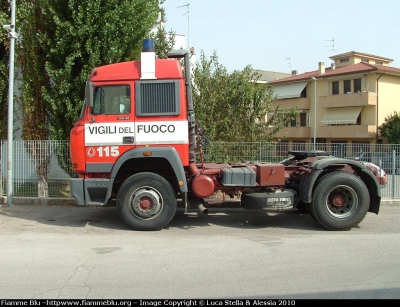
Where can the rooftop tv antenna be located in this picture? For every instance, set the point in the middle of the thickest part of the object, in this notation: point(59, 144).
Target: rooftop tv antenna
point(187, 4)
point(331, 46)
point(289, 64)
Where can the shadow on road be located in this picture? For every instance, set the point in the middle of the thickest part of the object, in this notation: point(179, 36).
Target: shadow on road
point(245, 219)
point(107, 218)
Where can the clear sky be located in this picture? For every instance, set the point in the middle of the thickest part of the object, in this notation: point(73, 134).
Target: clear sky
point(286, 35)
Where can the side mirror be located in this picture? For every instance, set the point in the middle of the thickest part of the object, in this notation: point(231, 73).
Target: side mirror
point(89, 94)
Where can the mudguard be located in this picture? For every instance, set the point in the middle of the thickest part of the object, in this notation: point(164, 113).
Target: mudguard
point(168, 153)
point(97, 191)
point(321, 166)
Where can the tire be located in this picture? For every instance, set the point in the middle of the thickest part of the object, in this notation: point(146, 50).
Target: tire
point(146, 201)
point(351, 197)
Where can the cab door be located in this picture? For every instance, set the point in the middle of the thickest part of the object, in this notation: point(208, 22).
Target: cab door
point(109, 125)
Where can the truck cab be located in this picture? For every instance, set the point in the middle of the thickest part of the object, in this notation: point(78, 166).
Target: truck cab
point(135, 143)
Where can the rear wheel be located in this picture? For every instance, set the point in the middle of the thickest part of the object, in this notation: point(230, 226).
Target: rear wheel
point(340, 201)
point(146, 201)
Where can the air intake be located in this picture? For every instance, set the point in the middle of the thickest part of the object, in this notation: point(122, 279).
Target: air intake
point(157, 98)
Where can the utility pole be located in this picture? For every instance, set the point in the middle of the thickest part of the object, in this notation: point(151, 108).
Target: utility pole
point(315, 111)
point(10, 127)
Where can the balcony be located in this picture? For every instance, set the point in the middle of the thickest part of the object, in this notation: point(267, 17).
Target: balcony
point(287, 104)
point(329, 132)
point(294, 132)
point(346, 131)
point(348, 100)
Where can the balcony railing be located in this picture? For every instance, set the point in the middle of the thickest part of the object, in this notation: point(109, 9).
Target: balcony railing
point(287, 104)
point(294, 132)
point(348, 100)
point(346, 131)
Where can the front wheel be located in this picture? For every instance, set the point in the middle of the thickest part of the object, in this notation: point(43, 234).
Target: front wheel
point(340, 201)
point(146, 201)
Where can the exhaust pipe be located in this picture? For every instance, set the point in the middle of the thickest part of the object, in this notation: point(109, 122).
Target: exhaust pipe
point(199, 204)
point(202, 209)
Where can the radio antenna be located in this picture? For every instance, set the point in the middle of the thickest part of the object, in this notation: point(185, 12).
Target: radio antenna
point(187, 4)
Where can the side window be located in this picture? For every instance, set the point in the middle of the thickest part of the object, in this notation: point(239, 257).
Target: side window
point(346, 86)
point(303, 119)
point(112, 99)
point(357, 85)
point(335, 87)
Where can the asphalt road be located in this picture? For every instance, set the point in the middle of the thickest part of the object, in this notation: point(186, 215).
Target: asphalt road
point(70, 252)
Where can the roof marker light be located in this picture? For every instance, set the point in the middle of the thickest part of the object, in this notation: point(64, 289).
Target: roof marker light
point(148, 45)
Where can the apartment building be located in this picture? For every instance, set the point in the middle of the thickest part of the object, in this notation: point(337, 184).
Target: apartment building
point(341, 104)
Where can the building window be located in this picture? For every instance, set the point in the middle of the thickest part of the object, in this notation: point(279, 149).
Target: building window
point(335, 88)
point(346, 86)
point(378, 63)
point(293, 122)
point(357, 85)
point(365, 60)
point(345, 60)
point(303, 119)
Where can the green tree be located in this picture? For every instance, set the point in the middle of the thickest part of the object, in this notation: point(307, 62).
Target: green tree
point(163, 41)
point(31, 59)
point(231, 107)
point(83, 36)
point(61, 42)
point(4, 60)
point(390, 129)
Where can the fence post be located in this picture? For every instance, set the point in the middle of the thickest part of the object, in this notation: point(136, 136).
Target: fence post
point(1, 168)
point(393, 171)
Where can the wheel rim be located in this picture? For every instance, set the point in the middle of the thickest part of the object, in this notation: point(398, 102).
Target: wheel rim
point(146, 203)
point(342, 201)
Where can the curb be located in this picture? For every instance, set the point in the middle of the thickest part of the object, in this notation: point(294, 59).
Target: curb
point(390, 202)
point(39, 201)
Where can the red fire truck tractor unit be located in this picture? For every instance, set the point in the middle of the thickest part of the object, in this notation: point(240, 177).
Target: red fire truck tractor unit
point(135, 142)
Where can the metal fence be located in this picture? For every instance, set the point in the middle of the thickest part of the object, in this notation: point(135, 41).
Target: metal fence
point(37, 166)
point(45, 165)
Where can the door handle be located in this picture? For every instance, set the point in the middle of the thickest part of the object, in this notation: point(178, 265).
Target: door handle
point(127, 140)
